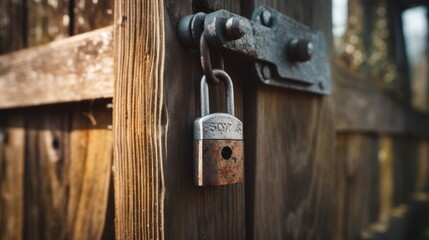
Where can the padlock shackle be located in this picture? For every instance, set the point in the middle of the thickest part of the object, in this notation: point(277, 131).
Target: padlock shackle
point(204, 91)
point(229, 90)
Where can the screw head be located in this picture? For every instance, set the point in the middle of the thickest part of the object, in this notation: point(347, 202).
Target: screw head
point(234, 28)
point(266, 18)
point(266, 72)
point(300, 50)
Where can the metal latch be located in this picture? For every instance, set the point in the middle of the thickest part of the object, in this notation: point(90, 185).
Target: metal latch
point(286, 53)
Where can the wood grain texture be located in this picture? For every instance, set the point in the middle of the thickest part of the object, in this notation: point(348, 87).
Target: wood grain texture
point(358, 154)
point(11, 176)
point(89, 173)
point(73, 69)
point(212, 212)
point(12, 25)
point(139, 147)
point(46, 162)
point(68, 155)
point(293, 177)
point(156, 101)
point(91, 15)
point(47, 21)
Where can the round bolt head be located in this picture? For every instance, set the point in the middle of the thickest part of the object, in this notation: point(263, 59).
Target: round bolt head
point(266, 18)
point(234, 28)
point(300, 50)
point(266, 72)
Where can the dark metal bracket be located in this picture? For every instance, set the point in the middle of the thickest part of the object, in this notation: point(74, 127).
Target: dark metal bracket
point(286, 53)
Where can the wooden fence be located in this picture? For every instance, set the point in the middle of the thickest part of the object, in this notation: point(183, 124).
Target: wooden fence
point(352, 165)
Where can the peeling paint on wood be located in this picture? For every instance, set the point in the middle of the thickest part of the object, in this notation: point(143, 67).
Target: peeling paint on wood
point(74, 69)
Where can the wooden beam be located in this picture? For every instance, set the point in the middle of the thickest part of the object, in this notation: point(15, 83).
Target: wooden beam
point(362, 107)
point(73, 69)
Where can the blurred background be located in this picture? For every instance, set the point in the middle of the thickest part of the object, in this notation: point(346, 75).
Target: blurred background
point(381, 47)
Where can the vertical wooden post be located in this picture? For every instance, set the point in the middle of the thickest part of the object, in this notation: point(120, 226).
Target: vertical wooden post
point(138, 131)
point(155, 103)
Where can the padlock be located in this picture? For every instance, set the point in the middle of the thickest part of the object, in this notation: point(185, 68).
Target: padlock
point(218, 140)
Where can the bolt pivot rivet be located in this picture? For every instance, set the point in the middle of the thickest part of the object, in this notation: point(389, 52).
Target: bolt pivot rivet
point(234, 29)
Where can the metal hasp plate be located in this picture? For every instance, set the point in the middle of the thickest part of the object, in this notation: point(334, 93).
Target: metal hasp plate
point(286, 53)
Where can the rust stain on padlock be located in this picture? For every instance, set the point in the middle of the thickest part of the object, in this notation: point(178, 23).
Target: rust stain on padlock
point(220, 163)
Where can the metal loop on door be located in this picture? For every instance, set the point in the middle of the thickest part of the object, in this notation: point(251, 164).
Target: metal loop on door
point(206, 62)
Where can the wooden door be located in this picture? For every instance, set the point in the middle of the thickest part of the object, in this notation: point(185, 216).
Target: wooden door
point(292, 178)
point(352, 165)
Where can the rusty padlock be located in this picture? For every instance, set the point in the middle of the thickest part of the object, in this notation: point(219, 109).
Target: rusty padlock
point(218, 140)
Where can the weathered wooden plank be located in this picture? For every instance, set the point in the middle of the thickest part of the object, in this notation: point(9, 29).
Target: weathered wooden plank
point(47, 21)
point(358, 154)
point(402, 212)
point(213, 212)
point(295, 175)
point(386, 180)
point(422, 181)
point(155, 103)
point(74, 69)
point(361, 107)
point(292, 178)
point(138, 133)
point(405, 159)
point(11, 176)
point(89, 172)
point(12, 25)
point(405, 205)
point(90, 15)
point(68, 155)
point(46, 165)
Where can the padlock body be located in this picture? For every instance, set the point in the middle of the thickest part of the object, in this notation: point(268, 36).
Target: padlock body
point(218, 162)
point(218, 150)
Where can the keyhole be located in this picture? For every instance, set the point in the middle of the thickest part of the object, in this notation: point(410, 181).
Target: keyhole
point(56, 143)
point(226, 153)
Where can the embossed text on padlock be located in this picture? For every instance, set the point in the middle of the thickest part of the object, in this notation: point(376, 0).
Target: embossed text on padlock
point(218, 140)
